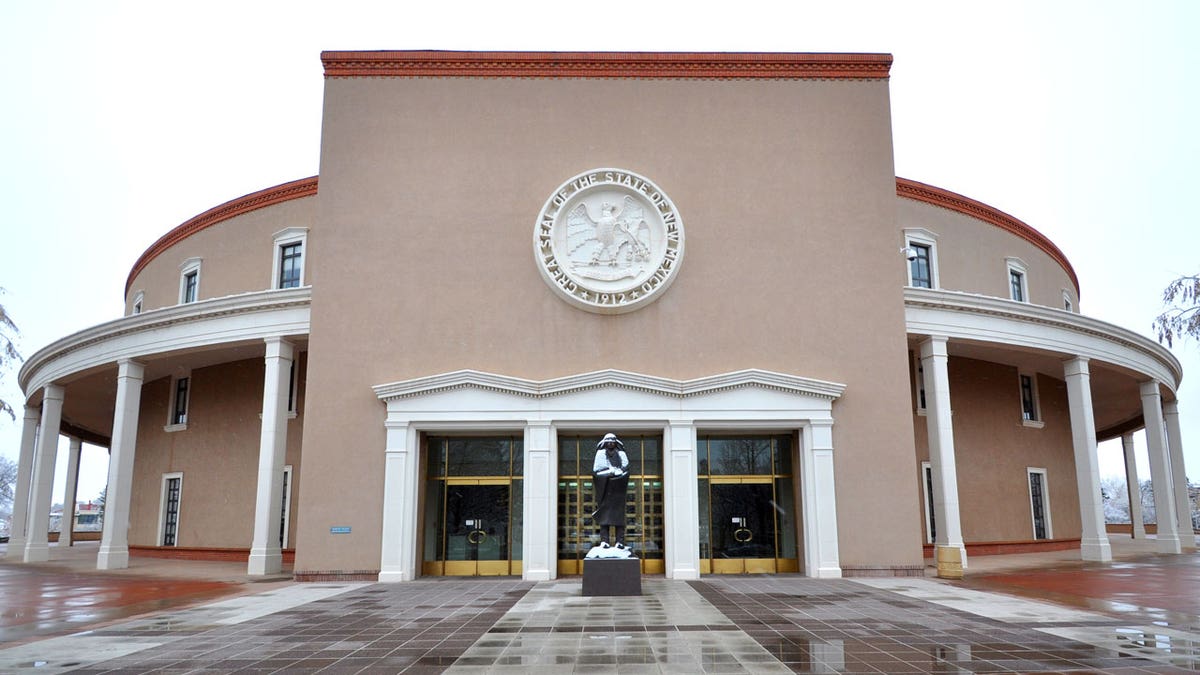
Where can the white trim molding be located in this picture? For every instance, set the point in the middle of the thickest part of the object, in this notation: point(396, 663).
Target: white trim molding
point(923, 237)
point(284, 237)
point(468, 400)
point(248, 317)
point(1017, 266)
point(186, 268)
point(1046, 515)
point(982, 318)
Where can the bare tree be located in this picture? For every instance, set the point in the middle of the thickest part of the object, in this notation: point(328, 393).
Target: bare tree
point(1182, 316)
point(8, 481)
point(8, 353)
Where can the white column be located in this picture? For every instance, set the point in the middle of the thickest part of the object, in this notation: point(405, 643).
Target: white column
point(539, 517)
point(1183, 500)
point(1160, 469)
point(66, 532)
point(114, 542)
point(821, 555)
point(265, 555)
point(20, 511)
point(1093, 543)
point(398, 560)
point(1134, 487)
point(37, 546)
point(940, 425)
point(681, 506)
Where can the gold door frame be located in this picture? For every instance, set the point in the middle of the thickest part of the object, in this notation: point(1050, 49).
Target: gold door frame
point(752, 565)
point(445, 567)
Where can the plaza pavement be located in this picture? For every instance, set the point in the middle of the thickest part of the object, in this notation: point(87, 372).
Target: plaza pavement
point(1033, 613)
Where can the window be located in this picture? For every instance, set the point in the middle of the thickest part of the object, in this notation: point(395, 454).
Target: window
point(168, 512)
point(1030, 414)
point(284, 519)
point(1039, 503)
point(919, 271)
point(287, 267)
point(921, 252)
point(1067, 304)
point(180, 394)
point(293, 390)
point(189, 281)
point(1018, 285)
point(138, 300)
point(919, 383)
point(930, 522)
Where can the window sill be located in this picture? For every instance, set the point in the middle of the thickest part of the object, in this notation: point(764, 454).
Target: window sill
point(291, 415)
point(922, 412)
point(1033, 424)
point(175, 427)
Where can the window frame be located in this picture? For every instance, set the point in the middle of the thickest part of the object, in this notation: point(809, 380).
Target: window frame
point(280, 240)
point(926, 491)
point(187, 268)
point(1034, 417)
point(920, 396)
point(161, 536)
point(1029, 470)
point(1068, 304)
point(286, 507)
point(1017, 267)
point(917, 236)
point(139, 301)
point(174, 422)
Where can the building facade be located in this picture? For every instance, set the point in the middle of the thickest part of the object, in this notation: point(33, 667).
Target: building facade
point(402, 367)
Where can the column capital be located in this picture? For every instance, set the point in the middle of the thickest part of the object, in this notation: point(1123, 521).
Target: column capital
point(1171, 408)
point(278, 347)
point(934, 345)
point(128, 368)
point(32, 414)
point(1149, 388)
point(1076, 365)
point(53, 391)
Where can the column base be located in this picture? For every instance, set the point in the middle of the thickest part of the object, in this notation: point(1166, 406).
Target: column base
point(951, 561)
point(112, 558)
point(682, 574)
point(1168, 543)
point(393, 576)
point(16, 549)
point(1097, 550)
point(37, 552)
point(264, 562)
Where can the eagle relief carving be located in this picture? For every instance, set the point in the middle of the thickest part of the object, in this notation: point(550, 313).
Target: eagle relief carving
point(608, 241)
point(614, 245)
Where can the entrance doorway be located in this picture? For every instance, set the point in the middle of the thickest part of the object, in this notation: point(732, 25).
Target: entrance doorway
point(577, 533)
point(472, 509)
point(748, 516)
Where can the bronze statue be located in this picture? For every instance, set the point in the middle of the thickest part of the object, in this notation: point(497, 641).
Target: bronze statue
point(610, 472)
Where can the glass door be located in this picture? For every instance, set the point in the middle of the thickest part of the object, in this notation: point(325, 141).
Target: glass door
point(748, 518)
point(577, 500)
point(472, 500)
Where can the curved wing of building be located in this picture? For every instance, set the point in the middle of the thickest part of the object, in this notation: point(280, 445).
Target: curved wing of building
point(405, 370)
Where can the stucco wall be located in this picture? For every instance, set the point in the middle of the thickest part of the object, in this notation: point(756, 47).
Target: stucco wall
point(971, 255)
point(237, 256)
point(424, 264)
point(217, 454)
point(993, 451)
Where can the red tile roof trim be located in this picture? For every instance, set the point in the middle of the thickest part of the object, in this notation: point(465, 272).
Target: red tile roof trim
point(305, 187)
point(946, 199)
point(633, 65)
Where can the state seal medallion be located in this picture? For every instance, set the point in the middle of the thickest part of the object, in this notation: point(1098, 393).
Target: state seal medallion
point(608, 241)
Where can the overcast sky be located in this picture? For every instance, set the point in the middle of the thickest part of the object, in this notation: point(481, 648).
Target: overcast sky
point(123, 119)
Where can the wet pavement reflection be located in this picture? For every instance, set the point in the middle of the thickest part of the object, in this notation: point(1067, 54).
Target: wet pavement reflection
point(42, 601)
point(1138, 615)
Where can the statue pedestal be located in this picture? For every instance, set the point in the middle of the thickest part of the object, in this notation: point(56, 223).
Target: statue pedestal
point(612, 576)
